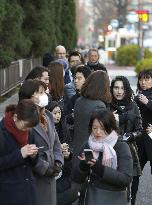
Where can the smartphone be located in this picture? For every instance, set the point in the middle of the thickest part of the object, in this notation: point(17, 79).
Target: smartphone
point(88, 154)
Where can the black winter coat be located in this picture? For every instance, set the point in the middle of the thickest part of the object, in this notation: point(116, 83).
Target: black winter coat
point(105, 177)
point(82, 112)
point(17, 185)
point(130, 123)
point(97, 66)
point(145, 143)
point(145, 110)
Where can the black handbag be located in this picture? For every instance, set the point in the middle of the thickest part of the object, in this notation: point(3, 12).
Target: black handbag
point(99, 196)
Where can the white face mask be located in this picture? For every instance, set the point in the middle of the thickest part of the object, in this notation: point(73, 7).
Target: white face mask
point(43, 100)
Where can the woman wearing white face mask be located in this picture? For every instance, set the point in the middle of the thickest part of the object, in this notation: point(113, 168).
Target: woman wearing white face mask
point(44, 135)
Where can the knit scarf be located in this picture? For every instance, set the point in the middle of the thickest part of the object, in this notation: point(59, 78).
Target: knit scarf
point(20, 136)
point(106, 146)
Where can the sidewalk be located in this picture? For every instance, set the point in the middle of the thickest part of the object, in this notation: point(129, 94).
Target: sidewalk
point(115, 67)
point(114, 70)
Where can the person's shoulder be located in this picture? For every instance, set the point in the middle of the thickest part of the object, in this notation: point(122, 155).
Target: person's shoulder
point(69, 85)
point(102, 67)
point(134, 105)
point(91, 102)
point(98, 103)
point(121, 146)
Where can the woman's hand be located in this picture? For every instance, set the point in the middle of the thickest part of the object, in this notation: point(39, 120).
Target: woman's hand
point(91, 162)
point(143, 99)
point(82, 157)
point(29, 150)
point(116, 115)
point(65, 150)
point(66, 154)
point(64, 147)
point(149, 129)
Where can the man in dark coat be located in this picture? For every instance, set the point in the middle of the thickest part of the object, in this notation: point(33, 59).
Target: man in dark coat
point(93, 62)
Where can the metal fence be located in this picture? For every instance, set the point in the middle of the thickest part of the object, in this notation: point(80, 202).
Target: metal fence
point(13, 75)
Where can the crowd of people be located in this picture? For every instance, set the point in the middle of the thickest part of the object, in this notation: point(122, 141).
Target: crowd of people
point(75, 136)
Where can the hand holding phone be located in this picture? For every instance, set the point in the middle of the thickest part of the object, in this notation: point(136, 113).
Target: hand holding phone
point(88, 154)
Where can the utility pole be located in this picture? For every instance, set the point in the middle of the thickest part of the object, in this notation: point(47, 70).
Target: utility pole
point(140, 33)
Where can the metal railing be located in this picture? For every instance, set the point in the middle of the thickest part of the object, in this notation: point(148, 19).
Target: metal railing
point(13, 75)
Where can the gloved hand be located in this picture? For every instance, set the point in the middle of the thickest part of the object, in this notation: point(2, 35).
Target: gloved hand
point(55, 170)
point(49, 172)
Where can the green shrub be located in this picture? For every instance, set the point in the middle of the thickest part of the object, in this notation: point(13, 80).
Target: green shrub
point(5, 58)
point(143, 65)
point(147, 53)
point(127, 55)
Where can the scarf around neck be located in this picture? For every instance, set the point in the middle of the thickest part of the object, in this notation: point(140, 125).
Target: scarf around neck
point(93, 63)
point(20, 136)
point(106, 146)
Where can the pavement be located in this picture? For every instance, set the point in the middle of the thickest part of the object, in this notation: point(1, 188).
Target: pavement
point(144, 196)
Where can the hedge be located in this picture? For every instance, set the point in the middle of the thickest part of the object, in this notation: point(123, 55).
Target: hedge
point(144, 65)
point(127, 55)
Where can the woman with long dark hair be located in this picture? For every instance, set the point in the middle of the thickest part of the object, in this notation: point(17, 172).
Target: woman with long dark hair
point(56, 84)
point(129, 123)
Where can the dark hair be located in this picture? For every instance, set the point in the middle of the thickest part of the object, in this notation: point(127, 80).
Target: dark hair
point(106, 117)
point(56, 80)
point(47, 58)
point(144, 74)
point(75, 53)
point(127, 88)
point(85, 70)
point(29, 87)
point(97, 87)
point(26, 110)
point(36, 72)
point(74, 68)
point(53, 105)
